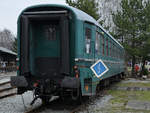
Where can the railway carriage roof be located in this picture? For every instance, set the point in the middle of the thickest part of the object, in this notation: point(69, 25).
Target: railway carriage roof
point(80, 15)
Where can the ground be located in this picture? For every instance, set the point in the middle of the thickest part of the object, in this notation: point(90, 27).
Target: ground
point(7, 75)
point(21, 103)
point(128, 96)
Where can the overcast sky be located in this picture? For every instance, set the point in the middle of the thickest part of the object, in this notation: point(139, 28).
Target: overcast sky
point(10, 9)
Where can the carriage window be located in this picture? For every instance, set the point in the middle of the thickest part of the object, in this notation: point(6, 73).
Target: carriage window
point(101, 36)
point(110, 48)
point(103, 45)
point(113, 53)
point(87, 40)
point(115, 49)
point(97, 43)
point(119, 53)
point(116, 52)
point(107, 46)
point(50, 32)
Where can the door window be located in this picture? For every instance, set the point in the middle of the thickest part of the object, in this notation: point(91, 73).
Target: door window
point(88, 40)
point(50, 32)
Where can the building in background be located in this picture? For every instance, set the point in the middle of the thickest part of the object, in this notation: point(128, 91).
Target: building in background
point(7, 60)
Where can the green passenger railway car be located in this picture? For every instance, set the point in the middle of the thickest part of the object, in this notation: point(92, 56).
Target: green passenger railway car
point(57, 45)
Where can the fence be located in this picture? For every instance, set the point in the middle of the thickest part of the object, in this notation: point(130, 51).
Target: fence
point(8, 69)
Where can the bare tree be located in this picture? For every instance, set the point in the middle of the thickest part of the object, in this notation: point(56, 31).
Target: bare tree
point(6, 39)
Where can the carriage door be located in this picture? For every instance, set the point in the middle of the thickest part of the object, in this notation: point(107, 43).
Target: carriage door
point(89, 41)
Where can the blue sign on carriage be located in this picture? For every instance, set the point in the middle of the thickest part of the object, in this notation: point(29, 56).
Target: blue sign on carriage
point(99, 68)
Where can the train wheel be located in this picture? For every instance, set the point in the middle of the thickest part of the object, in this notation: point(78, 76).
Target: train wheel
point(98, 89)
point(77, 96)
point(45, 100)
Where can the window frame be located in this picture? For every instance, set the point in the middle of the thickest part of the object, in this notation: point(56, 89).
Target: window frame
point(103, 45)
point(98, 42)
point(88, 40)
point(110, 48)
point(106, 46)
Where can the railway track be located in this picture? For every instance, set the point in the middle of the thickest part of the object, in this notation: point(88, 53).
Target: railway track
point(76, 109)
point(6, 90)
point(58, 106)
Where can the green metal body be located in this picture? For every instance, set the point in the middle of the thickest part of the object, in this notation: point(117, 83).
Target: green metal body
point(77, 25)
